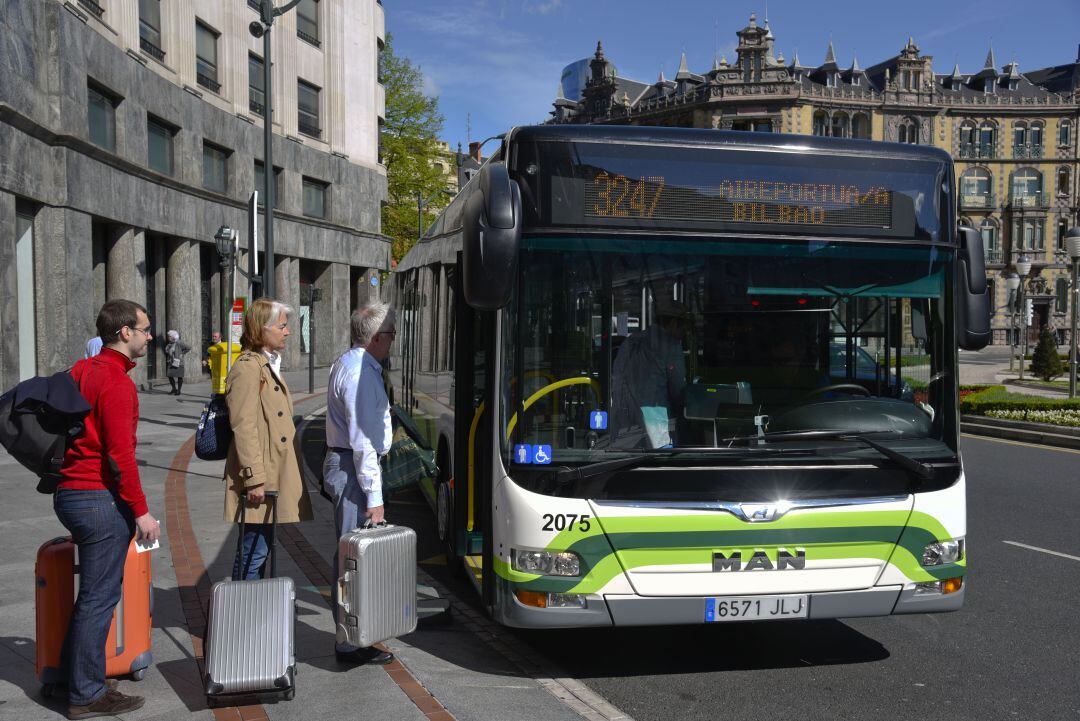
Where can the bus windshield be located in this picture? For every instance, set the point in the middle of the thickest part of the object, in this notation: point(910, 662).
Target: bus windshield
point(625, 345)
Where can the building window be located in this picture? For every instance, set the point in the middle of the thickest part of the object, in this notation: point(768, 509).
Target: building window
point(215, 164)
point(307, 21)
point(987, 139)
point(101, 117)
point(206, 60)
point(860, 126)
point(150, 29)
point(1064, 133)
point(93, 7)
point(260, 183)
point(831, 79)
point(1029, 234)
point(256, 86)
point(315, 193)
point(1061, 295)
point(989, 231)
point(821, 123)
point(840, 125)
point(1063, 229)
point(975, 185)
point(307, 100)
point(1063, 181)
point(159, 145)
point(1026, 186)
point(908, 132)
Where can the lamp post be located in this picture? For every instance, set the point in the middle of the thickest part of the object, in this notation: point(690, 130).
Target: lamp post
point(261, 28)
point(1023, 267)
point(225, 239)
point(421, 201)
point(1072, 245)
point(1012, 282)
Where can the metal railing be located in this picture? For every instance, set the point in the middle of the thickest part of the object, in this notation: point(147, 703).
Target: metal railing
point(308, 128)
point(993, 256)
point(1027, 200)
point(977, 200)
point(93, 7)
point(257, 108)
point(308, 38)
point(208, 82)
point(976, 150)
point(152, 50)
point(1027, 151)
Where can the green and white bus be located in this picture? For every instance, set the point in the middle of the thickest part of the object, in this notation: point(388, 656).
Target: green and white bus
point(681, 376)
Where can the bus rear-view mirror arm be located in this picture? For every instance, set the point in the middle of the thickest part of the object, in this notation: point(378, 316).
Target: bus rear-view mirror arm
point(972, 296)
point(491, 237)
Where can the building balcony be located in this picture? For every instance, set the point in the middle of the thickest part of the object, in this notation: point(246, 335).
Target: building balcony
point(977, 200)
point(152, 50)
point(93, 7)
point(1028, 200)
point(208, 82)
point(976, 150)
point(992, 256)
point(309, 128)
point(1027, 151)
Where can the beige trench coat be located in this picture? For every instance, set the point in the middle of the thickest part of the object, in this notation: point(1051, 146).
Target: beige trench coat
point(262, 451)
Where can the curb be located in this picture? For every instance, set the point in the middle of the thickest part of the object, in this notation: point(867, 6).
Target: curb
point(1043, 434)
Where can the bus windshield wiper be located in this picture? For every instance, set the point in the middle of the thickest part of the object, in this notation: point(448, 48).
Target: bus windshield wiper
point(906, 462)
point(566, 474)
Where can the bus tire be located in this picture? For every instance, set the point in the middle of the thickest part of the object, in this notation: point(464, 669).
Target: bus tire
point(444, 524)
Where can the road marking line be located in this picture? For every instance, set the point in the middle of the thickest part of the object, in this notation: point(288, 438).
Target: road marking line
point(1042, 550)
point(1019, 443)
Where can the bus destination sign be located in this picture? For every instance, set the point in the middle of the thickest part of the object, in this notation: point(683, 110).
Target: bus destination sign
point(758, 201)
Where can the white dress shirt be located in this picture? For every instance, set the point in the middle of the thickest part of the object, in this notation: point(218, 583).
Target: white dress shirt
point(358, 417)
point(275, 361)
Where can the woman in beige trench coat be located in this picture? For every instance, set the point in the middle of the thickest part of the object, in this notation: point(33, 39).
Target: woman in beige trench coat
point(262, 459)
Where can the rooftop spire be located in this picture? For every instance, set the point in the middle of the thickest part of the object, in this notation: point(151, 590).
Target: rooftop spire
point(599, 50)
point(830, 54)
point(990, 63)
point(956, 72)
point(855, 63)
point(795, 59)
point(682, 65)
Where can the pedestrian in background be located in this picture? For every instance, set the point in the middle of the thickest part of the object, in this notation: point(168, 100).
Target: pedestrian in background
point(215, 338)
point(262, 460)
point(358, 432)
point(175, 350)
point(100, 501)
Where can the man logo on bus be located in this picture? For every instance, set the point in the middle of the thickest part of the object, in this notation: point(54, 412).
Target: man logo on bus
point(760, 561)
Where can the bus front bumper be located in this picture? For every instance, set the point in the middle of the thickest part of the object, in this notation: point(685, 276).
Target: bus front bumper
point(633, 610)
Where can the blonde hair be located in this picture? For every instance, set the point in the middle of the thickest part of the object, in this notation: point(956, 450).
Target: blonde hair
point(262, 314)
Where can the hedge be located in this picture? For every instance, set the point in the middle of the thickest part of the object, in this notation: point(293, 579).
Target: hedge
point(997, 398)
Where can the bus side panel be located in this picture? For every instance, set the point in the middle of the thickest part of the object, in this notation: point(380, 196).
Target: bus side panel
point(936, 516)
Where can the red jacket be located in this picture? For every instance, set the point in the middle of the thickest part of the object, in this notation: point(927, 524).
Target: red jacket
point(103, 456)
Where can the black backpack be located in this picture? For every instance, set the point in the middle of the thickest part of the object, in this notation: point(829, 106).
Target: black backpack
point(38, 418)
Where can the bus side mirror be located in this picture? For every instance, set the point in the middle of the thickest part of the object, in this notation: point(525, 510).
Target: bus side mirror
point(972, 296)
point(491, 235)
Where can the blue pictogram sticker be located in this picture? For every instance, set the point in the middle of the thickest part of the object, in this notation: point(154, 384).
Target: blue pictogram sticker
point(710, 609)
point(523, 453)
point(598, 420)
point(541, 454)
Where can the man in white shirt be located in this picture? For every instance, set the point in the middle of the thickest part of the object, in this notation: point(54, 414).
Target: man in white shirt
point(358, 432)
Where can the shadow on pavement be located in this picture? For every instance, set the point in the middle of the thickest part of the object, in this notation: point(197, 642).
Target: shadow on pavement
point(24, 675)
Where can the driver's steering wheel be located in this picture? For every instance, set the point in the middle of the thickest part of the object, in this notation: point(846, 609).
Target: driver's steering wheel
point(853, 388)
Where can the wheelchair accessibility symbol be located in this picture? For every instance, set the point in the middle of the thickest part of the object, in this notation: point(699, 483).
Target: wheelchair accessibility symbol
point(541, 454)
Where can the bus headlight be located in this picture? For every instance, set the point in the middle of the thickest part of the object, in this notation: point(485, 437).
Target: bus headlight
point(941, 552)
point(547, 563)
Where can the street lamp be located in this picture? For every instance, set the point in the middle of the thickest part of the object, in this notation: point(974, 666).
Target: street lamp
point(1072, 245)
point(261, 28)
point(421, 201)
point(225, 239)
point(1012, 282)
point(1023, 267)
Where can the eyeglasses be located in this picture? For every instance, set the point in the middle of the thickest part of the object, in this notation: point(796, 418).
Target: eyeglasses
point(392, 333)
point(147, 331)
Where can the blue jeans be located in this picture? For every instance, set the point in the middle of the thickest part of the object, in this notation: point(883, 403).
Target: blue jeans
point(101, 527)
point(251, 563)
point(350, 503)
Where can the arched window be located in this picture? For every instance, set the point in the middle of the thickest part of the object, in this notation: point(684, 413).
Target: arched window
point(975, 186)
point(908, 131)
point(968, 139)
point(1026, 186)
point(1063, 181)
point(860, 126)
point(821, 123)
point(989, 231)
point(1019, 133)
point(1064, 133)
point(987, 139)
point(1035, 137)
point(840, 125)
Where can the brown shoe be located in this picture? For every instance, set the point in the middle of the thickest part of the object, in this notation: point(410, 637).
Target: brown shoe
point(111, 704)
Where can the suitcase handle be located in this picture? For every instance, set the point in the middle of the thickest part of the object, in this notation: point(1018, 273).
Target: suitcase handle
point(273, 534)
point(368, 524)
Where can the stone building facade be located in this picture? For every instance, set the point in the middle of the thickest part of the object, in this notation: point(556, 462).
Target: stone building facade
point(132, 129)
point(1013, 135)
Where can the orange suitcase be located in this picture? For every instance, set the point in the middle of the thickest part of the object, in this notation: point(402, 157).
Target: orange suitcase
point(127, 650)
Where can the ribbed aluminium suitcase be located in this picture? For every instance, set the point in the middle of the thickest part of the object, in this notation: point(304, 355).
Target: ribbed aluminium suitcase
point(127, 648)
point(250, 634)
point(376, 584)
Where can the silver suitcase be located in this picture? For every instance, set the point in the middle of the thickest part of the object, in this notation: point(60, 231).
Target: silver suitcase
point(376, 584)
point(250, 635)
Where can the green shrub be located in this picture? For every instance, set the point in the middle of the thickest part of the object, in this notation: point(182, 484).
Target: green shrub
point(1045, 361)
point(998, 398)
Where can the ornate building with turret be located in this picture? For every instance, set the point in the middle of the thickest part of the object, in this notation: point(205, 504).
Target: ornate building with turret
point(1012, 134)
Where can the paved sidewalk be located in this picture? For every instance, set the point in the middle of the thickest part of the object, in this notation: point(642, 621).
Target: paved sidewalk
point(444, 672)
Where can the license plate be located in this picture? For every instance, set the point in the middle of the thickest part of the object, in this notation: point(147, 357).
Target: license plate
point(752, 608)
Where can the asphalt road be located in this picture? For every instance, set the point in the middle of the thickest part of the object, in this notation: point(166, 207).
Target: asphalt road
point(1011, 653)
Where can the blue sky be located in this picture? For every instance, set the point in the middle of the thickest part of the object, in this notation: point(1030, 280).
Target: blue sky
point(497, 62)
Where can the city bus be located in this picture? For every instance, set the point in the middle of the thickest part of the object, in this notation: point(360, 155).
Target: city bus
point(679, 376)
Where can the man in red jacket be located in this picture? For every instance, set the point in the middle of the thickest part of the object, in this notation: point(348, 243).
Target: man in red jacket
point(101, 502)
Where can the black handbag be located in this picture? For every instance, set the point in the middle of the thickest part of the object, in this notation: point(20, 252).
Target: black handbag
point(214, 434)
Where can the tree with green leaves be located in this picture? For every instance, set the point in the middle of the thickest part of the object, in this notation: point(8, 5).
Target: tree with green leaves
point(1045, 361)
point(410, 151)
